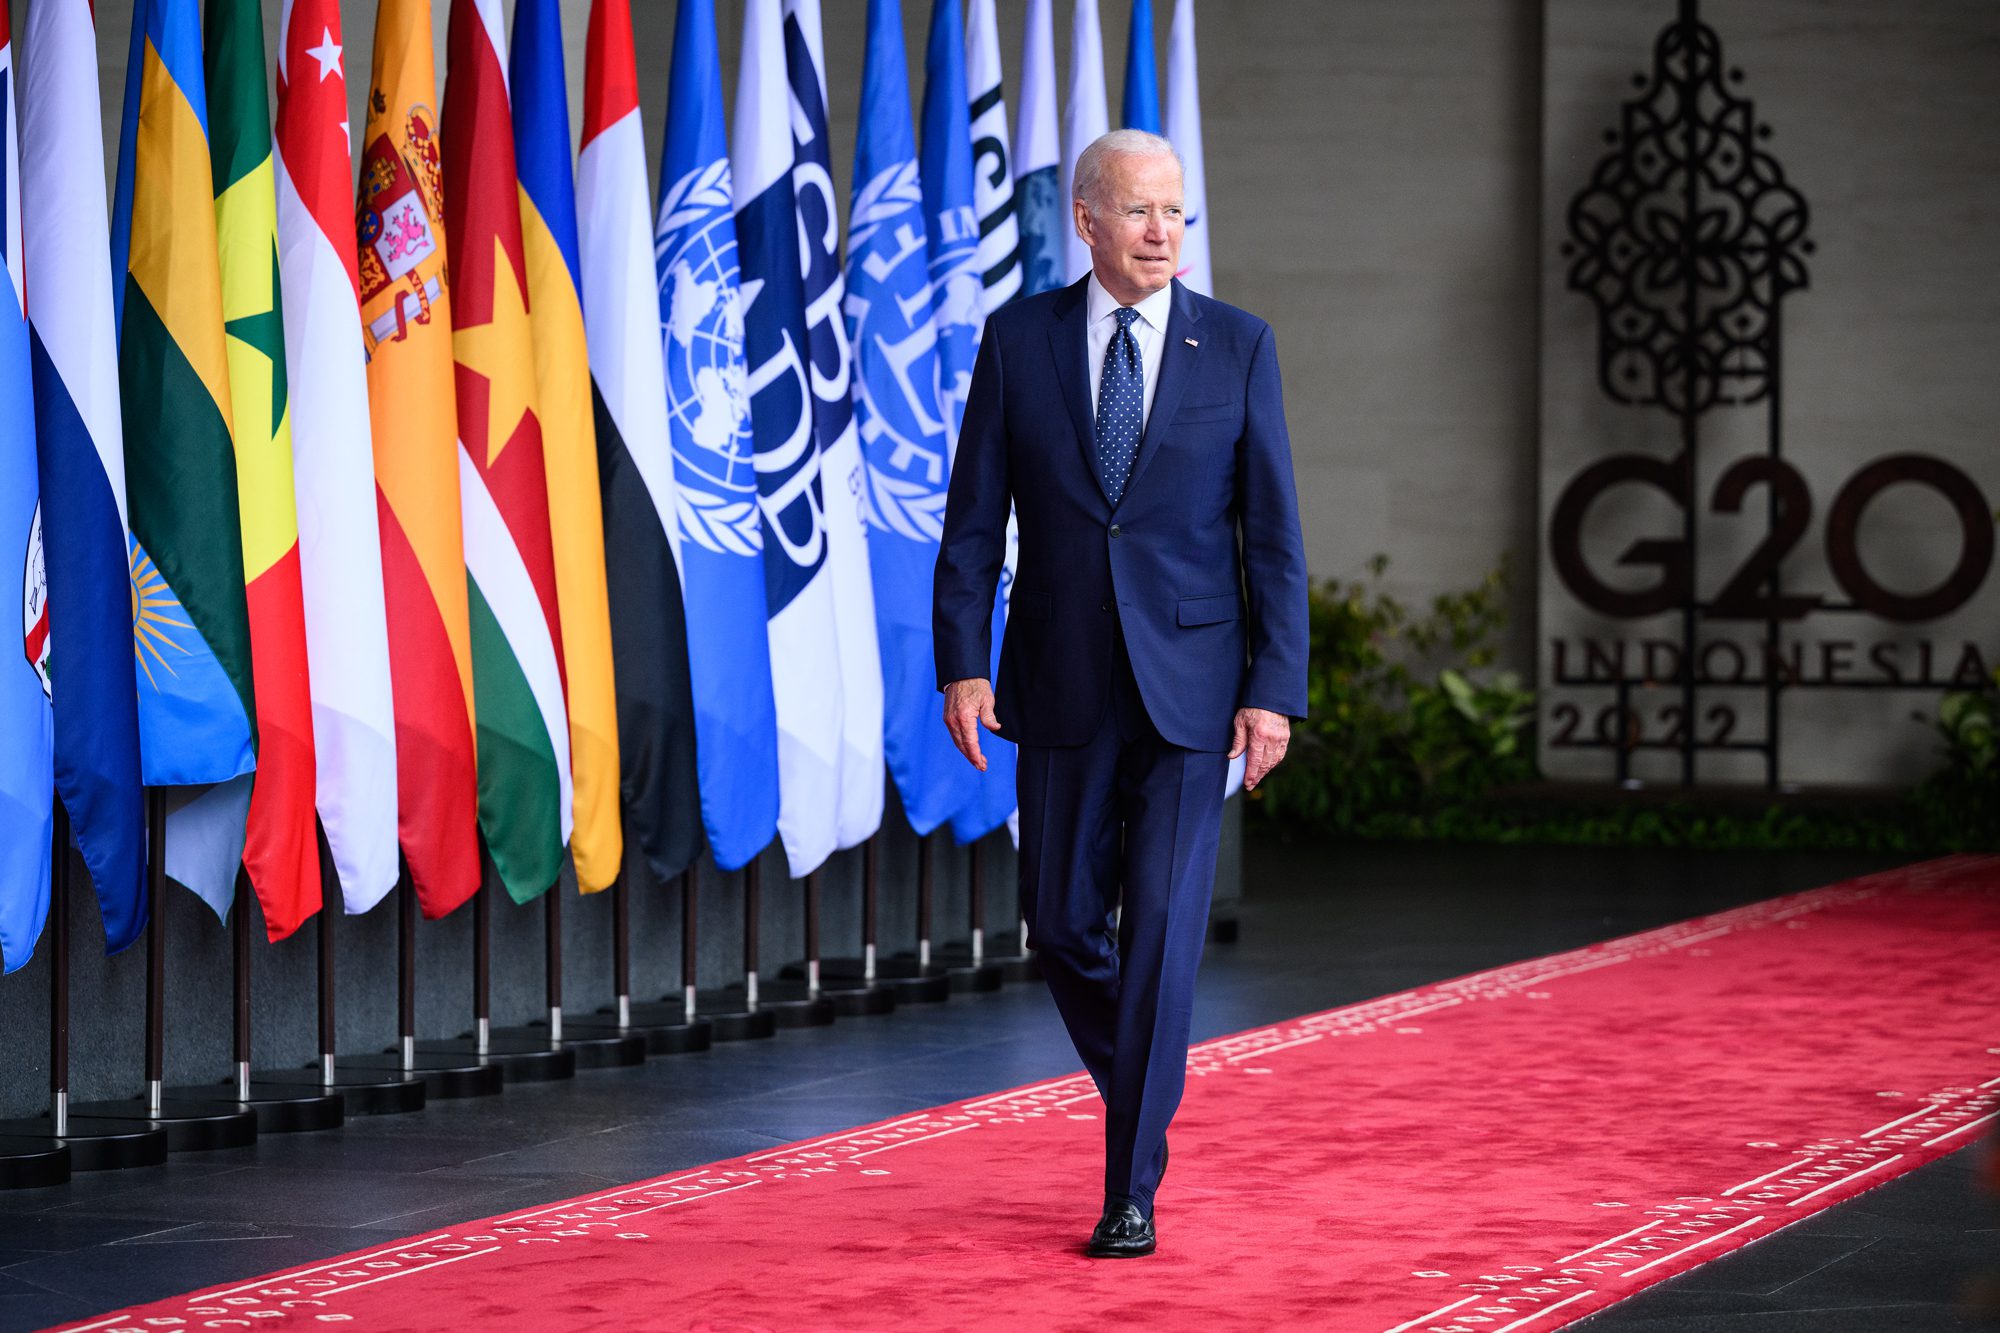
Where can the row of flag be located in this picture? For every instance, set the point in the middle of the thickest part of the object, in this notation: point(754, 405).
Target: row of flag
point(490, 502)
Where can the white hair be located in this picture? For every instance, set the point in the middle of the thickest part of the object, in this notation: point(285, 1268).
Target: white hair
point(1091, 163)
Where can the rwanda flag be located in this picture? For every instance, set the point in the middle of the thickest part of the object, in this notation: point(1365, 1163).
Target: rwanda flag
point(191, 630)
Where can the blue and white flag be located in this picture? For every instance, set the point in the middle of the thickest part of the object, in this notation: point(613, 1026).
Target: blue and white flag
point(1141, 109)
point(891, 325)
point(27, 726)
point(805, 662)
point(81, 440)
point(1039, 191)
point(951, 225)
point(1184, 129)
point(862, 789)
point(1085, 119)
point(999, 254)
point(715, 481)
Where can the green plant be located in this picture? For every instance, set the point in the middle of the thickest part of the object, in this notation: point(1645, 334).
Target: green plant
point(1405, 715)
point(1959, 805)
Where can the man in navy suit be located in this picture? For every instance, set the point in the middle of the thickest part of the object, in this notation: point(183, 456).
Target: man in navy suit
point(1157, 627)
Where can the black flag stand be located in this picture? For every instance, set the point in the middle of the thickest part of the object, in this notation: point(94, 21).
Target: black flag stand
point(670, 1027)
point(190, 1123)
point(917, 979)
point(281, 1108)
point(851, 983)
point(973, 964)
point(445, 1076)
point(732, 1012)
point(797, 999)
point(594, 1046)
point(44, 1151)
point(525, 1056)
point(362, 1089)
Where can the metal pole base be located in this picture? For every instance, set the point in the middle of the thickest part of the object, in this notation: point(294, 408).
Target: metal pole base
point(789, 1003)
point(523, 1054)
point(445, 1077)
point(596, 1046)
point(1015, 959)
point(665, 1027)
point(899, 976)
point(94, 1144)
point(958, 957)
point(31, 1163)
point(191, 1124)
point(728, 1017)
point(361, 1090)
point(855, 997)
point(280, 1108)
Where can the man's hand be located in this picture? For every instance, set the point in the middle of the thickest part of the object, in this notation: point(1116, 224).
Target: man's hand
point(968, 705)
point(1264, 734)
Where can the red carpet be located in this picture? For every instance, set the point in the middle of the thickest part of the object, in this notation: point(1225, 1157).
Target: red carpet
point(1508, 1151)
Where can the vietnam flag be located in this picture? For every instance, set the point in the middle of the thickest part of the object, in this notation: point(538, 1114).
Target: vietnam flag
point(569, 433)
point(517, 667)
point(281, 847)
point(406, 329)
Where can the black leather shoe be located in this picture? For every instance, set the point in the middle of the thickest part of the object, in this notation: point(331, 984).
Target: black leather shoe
point(1122, 1233)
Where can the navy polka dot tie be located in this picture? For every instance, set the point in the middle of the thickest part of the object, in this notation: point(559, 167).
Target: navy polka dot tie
point(1121, 405)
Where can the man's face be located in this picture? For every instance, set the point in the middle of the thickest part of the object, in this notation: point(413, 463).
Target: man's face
point(1134, 228)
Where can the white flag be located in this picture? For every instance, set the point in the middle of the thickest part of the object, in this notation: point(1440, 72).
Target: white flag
point(863, 780)
point(805, 657)
point(1085, 119)
point(333, 461)
point(1184, 128)
point(999, 254)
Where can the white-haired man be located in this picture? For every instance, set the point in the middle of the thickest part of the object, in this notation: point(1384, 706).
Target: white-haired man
point(1157, 627)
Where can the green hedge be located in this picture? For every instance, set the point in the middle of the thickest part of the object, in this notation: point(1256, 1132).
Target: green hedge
point(1412, 733)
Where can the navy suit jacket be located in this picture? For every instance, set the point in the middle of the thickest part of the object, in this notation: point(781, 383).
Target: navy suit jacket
point(1200, 561)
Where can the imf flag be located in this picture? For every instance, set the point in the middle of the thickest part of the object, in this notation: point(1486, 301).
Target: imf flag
point(891, 324)
point(805, 666)
point(721, 540)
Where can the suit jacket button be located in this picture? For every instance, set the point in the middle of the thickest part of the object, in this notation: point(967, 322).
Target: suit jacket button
point(1114, 529)
point(1105, 607)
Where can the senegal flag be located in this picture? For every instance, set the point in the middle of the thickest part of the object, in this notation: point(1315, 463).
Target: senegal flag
point(406, 329)
point(191, 631)
point(281, 850)
point(524, 775)
point(569, 433)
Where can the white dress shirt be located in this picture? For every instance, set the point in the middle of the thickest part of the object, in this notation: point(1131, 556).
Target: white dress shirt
point(1149, 331)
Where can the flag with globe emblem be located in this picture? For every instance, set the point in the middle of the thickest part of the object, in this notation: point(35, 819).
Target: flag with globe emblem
point(715, 480)
point(951, 222)
point(892, 327)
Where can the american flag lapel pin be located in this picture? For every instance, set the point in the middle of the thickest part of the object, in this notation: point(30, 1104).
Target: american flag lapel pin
point(1191, 342)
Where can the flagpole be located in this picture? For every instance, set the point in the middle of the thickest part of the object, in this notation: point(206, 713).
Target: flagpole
point(851, 984)
point(441, 1075)
point(796, 1000)
point(522, 1055)
point(190, 1123)
point(45, 1151)
point(664, 1028)
point(591, 1045)
point(371, 1085)
point(553, 953)
point(621, 948)
point(965, 964)
point(735, 1014)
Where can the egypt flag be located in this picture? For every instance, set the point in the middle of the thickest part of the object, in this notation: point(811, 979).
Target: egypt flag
point(82, 452)
point(191, 630)
point(340, 549)
point(27, 726)
point(281, 848)
point(569, 436)
point(635, 459)
point(406, 333)
point(524, 775)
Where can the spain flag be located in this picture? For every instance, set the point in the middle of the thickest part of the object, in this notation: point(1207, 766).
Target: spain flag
point(406, 329)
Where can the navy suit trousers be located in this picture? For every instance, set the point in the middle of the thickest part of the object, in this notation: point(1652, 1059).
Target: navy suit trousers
point(1125, 818)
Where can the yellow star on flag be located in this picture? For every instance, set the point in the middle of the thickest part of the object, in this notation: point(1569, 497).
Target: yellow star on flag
point(502, 350)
